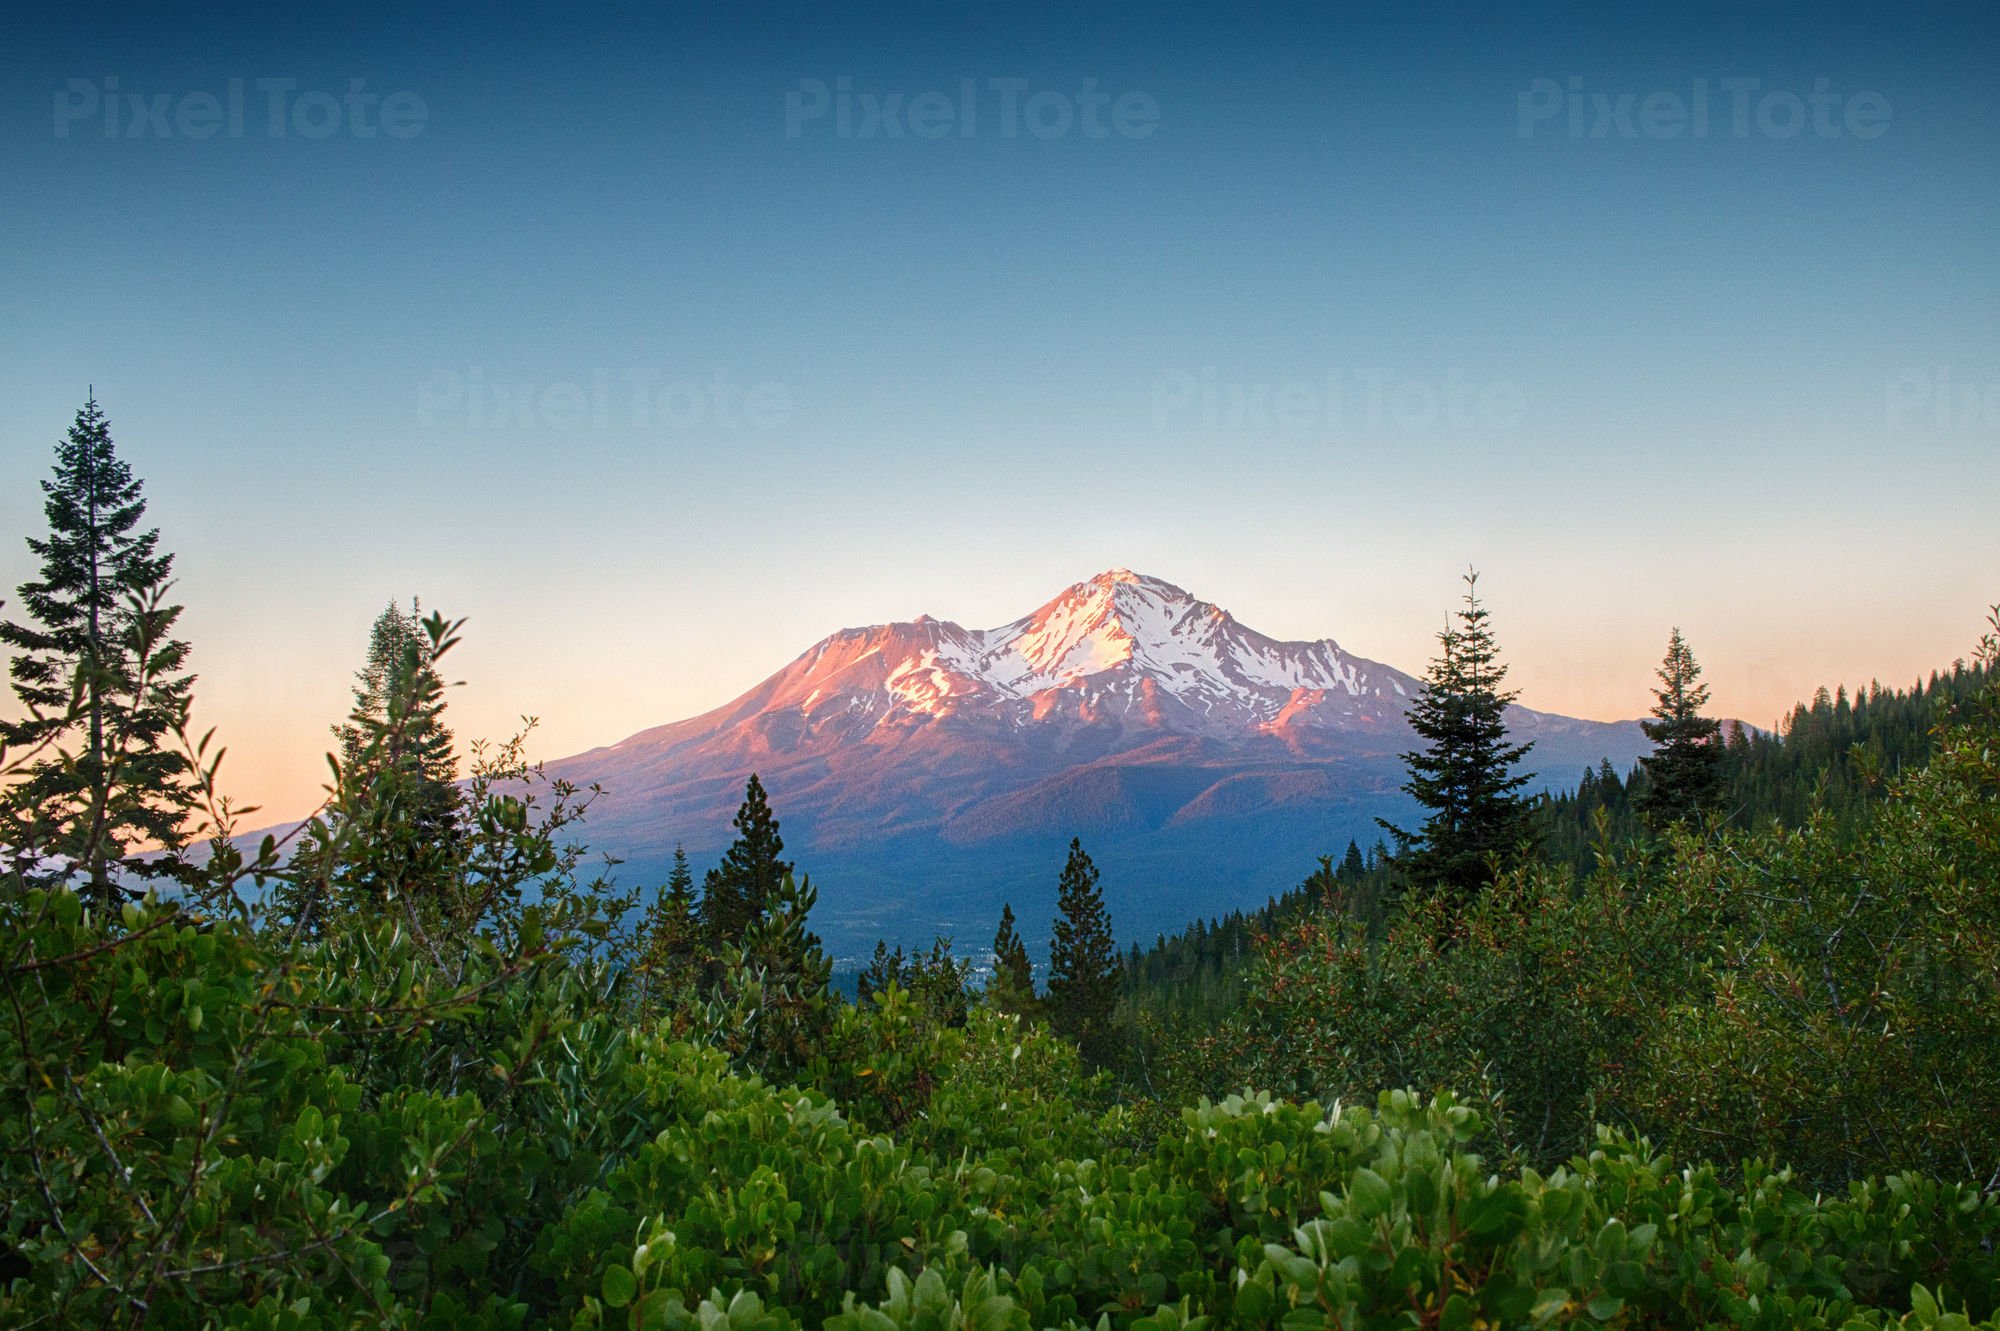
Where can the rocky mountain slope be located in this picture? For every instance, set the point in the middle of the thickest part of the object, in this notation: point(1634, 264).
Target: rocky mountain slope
point(923, 772)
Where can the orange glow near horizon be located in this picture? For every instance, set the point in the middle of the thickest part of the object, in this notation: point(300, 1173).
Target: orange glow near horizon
point(275, 715)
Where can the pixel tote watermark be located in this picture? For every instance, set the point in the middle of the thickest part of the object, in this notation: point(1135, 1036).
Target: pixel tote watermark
point(1934, 399)
point(1734, 108)
point(636, 398)
point(1009, 108)
point(1369, 398)
point(270, 108)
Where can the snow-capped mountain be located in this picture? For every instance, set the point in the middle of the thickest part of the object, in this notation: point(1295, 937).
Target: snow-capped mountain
point(1119, 648)
point(923, 770)
point(1122, 646)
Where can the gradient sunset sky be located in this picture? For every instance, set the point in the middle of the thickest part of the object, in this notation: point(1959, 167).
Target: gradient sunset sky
point(943, 307)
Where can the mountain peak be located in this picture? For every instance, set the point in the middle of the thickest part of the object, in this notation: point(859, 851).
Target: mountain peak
point(1120, 648)
point(1126, 601)
point(1127, 644)
point(1117, 577)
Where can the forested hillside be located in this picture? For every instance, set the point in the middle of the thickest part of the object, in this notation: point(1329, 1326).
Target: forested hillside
point(1832, 761)
point(427, 1068)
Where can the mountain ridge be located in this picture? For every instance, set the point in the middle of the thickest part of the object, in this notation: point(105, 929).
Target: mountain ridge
point(923, 769)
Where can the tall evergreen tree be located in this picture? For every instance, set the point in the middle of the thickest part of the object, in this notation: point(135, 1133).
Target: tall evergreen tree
point(394, 826)
point(1083, 960)
point(670, 951)
point(1684, 771)
point(1464, 777)
point(400, 680)
point(885, 968)
point(680, 878)
point(738, 891)
point(99, 673)
point(774, 984)
point(1012, 988)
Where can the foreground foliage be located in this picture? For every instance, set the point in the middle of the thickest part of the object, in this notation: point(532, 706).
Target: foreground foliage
point(205, 1129)
point(483, 1108)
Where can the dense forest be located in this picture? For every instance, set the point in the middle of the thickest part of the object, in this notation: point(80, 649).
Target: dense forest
point(1715, 1042)
point(1831, 762)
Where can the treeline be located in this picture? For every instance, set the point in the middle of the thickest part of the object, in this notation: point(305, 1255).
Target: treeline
point(424, 1068)
point(1768, 946)
point(1834, 760)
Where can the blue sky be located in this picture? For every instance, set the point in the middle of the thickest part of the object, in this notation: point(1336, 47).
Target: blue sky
point(1640, 380)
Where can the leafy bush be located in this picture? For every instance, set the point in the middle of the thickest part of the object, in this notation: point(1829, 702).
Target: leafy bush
point(212, 1127)
point(1814, 995)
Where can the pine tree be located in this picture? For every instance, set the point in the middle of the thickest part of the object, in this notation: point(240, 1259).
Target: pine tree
point(1477, 818)
point(394, 826)
point(1083, 961)
point(99, 674)
point(773, 997)
point(670, 952)
point(738, 891)
point(884, 969)
point(1684, 771)
point(1012, 989)
point(680, 879)
point(937, 980)
point(400, 679)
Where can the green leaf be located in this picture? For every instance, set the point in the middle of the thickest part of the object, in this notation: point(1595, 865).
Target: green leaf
point(619, 1285)
point(1551, 1302)
point(1368, 1194)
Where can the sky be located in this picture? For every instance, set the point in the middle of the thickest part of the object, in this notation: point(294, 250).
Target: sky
point(660, 342)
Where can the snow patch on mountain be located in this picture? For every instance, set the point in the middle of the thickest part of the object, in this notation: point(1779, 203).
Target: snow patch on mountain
point(1120, 638)
point(1102, 666)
